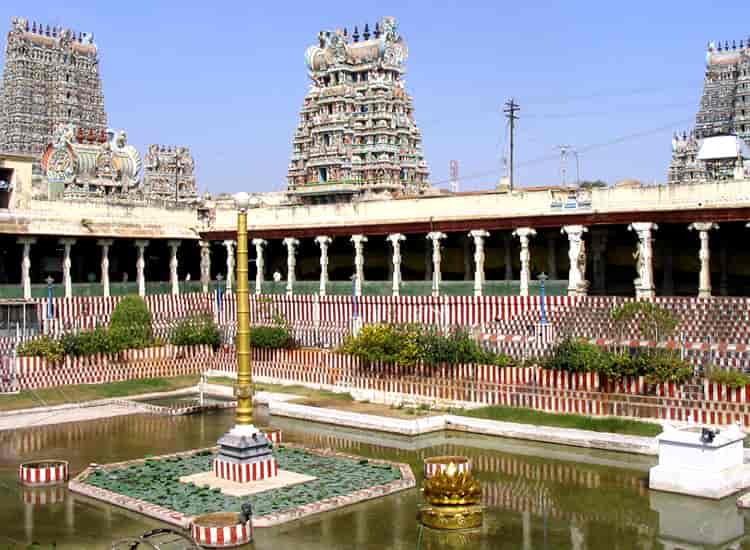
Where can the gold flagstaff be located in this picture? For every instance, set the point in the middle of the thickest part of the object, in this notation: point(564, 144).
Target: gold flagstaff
point(244, 389)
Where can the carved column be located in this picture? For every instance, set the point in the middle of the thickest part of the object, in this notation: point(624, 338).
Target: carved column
point(436, 237)
point(704, 281)
point(140, 267)
point(26, 265)
point(173, 264)
point(644, 283)
point(599, 259)
point(66, 265)
point(359, 262)
point(105, 244)
point(577, 283)
point(507, 259)
point(260, 264)
point(205, 265)
point(230, 265)
point(395, 240)
point(323, 242)
point(523, 234)
point(291, 263)
point(478, 235)
point(552, 257)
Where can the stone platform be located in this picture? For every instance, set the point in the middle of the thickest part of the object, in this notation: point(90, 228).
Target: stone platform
point(236, 489)
point(153, 486)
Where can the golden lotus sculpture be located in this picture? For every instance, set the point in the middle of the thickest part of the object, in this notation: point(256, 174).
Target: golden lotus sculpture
point(453, 499)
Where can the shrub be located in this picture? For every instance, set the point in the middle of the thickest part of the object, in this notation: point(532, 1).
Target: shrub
point(197, 330)
point(90, 342)
point(578, 356)
point(654, 322)
point(732, 378)
point(667, 366)
point(274, 337)
point(410, 345)
point(43, 346)
point(130, 326)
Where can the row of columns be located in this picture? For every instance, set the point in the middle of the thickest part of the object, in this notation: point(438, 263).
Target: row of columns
point(140, 265)
point(578, 285)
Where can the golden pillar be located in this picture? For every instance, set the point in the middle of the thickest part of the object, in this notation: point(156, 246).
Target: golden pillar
point(244, 389)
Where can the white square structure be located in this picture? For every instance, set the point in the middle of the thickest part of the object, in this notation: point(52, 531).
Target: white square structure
point(691, 466)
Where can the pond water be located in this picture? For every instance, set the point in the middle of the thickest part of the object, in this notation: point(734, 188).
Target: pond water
point(538, 496)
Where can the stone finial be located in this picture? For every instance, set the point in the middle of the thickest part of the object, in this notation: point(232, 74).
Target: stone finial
point(366, 33)
point(377, 30)
point(355, 34)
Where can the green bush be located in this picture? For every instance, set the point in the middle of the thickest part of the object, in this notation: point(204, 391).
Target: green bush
point(654, 322)
point(90, 342)
point(274, 337)
point(578, 356)
point(43, 346)
point(667, 366)
point(130, 326)
point(410, 345)
point(732, 378)
point(198, 330)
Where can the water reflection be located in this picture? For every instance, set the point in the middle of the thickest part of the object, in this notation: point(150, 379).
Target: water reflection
point(537, 496)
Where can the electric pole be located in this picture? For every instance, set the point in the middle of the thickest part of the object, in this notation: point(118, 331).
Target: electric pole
point(511, 108)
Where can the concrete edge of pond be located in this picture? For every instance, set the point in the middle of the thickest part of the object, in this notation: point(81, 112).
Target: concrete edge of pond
point(419, 426)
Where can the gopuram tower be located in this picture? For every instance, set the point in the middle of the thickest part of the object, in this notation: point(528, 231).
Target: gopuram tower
point(718, 146)
point(51, 77)
point(357, 134)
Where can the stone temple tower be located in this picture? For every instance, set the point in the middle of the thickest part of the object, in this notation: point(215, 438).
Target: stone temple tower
point(716, 148)
point(357, 134)
point(51, 77)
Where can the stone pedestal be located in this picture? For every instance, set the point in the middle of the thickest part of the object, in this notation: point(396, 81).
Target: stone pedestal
point(693, 466)
point(245, 455)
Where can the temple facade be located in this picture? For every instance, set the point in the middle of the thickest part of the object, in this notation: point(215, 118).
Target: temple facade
point(357, 132)
point(51, 77)
point(717, 149)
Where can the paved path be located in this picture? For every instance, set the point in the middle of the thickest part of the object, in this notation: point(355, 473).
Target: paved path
point(76, 414)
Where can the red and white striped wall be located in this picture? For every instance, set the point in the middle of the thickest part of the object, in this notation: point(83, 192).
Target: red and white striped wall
point(245, 473)
point(47, 472)
point(222, 537)
point(273, 435)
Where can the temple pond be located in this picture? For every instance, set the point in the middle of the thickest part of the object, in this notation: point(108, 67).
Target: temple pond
point(538, 496)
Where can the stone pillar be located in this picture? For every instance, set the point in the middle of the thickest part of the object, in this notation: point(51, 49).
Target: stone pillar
point(205, 265)
point(66, 265)
point(140, 267)
point(436, 237)
point(552, 257)
point(599, 259)
point(478, 235)
point(704, 280)
point(359, 262)
point(230, 265)
point(173, 264)
point(260, 263)
point(523, 234)
point(467, 257)
point(323, 242)
point(644, 283)
point(26, 265)
point(291, 263)
point(105, 244)
point(395, 240)
point(577, 283)
point(507, 259)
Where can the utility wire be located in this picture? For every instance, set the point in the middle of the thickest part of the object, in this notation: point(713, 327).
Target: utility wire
point(592, 147)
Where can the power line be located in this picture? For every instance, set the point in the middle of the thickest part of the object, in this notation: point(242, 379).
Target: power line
point(546, 158)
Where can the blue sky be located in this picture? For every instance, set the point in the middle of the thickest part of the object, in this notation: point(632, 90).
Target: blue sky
point(228, 79)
